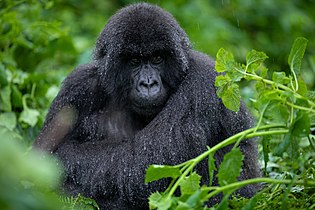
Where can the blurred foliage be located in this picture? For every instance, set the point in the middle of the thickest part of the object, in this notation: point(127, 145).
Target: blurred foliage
point(242, 25)
point(33, 53)
point(41, 41)
point(27, 182)
point(238, 26)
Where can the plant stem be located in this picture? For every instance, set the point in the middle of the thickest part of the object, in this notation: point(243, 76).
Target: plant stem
point(239, 184)
point(301, 107)
point(269, 82)
point(249, 133)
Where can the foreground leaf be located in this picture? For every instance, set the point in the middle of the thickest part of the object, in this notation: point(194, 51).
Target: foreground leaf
point(254, 59)
point(231, 167)
point(156, 172)
point(224, 61)
point(159, 201)
point(296, 54)
point(190, 184)
point(232, 97)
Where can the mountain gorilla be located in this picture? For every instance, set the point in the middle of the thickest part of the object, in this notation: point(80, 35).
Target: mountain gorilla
point(147, 98)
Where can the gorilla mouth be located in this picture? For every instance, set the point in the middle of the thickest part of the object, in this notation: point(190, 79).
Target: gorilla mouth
point(148, 107)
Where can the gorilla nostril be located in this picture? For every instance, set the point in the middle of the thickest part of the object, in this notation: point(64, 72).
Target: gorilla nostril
point(148, 84)
point(144, 84)
point(148, 88)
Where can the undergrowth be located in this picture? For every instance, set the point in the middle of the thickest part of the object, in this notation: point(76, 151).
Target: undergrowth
point(285, 112)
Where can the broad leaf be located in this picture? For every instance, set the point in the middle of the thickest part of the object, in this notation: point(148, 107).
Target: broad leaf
point(254, 59)
point(222, 82)
point(232, 97)
point(296, 54)
point(236, 73)
point(5, 99)
point(29, 116)
point(154, 199)
point(8, 119)
point(197, 199)
point(280, 77)
point(224, 61)
point(283, 146)
point(302, 125)
point(231, 167)
point(158, 201)
point(190, 184)
point(299, 128)
point(156, 172)
point(183, 206)
point(302, 87)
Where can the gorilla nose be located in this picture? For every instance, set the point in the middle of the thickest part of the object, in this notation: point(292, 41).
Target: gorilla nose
point(149, 86)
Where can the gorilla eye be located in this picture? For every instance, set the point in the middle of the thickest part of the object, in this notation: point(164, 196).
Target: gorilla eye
point(157, 60)
point(135, 62)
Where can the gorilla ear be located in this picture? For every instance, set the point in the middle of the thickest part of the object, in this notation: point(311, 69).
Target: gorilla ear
point(100, 49)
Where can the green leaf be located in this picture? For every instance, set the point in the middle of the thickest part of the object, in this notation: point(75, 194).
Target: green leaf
point(236, 73)
point(5, 99)
point(276, 112)
point(222, 83)
point(296, 54)
point(280, 77)
point(9, 135)
point(190, 183)
point(231, 167)
point(299, 128)
point(154, 200)
point(301, 125)
point(284, 145)
point(254, 59)
point(29, 116)
point(224, 204)
point(224, 61)
point(195, 198)
point(159, 201)
point(222, 80)
point(156, 172)
point(211, 168)
point(16, 97)
point(8, 119)
point(183, 206)
point(3, 76)
point(232, 97)
point(302, 87)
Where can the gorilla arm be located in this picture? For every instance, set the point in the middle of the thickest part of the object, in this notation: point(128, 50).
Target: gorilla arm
point(74, 97)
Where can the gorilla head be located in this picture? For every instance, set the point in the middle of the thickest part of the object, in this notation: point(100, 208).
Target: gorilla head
point(145, 51)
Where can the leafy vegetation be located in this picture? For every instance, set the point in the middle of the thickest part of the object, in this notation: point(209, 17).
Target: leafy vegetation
point(41, 41)
point(286, 115)
point(31, 51)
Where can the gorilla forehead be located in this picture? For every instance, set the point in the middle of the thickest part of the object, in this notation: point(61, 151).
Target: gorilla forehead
point(141, 28)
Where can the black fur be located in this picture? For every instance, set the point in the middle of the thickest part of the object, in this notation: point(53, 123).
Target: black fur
point(109, 165)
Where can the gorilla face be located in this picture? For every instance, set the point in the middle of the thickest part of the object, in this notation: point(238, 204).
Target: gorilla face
point(148, 93)
point(142, 56)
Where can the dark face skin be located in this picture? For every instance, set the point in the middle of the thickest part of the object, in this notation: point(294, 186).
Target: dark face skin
point(148, 93)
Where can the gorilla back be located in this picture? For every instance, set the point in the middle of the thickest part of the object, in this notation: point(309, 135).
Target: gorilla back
point(146, 98)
